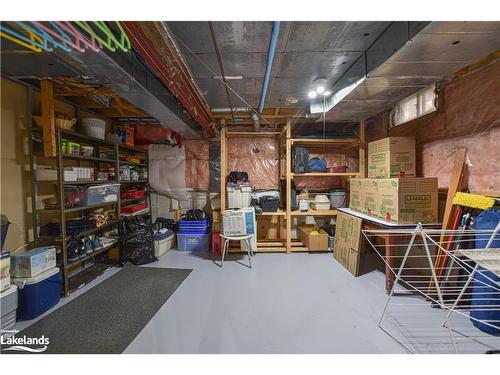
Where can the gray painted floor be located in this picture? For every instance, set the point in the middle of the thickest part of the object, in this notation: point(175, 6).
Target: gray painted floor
point(297, 303)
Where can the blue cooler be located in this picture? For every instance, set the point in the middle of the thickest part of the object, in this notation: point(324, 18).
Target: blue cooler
point(38, 294)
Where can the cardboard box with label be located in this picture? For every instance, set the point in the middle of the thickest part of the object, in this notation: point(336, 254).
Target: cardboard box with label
point(408, 200)
point(314, 242)
point(350, 249)
point(240, 222)
point(397, 200)
point(391, 157)
point(33, 262)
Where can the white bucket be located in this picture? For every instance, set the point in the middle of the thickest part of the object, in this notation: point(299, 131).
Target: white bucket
point(338, 198)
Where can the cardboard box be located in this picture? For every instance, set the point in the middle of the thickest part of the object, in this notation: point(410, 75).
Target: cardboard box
point(408, 200)
point(350, 249)
point(391, 157)
point(368, 195)
point(4, 263)
point(355, 194)
point(239, 222)
point(398, 200)
point(313, 242)
point(33, 262)
point(4, 283)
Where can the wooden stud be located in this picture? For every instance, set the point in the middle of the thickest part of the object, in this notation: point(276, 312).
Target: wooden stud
point(223, 166)
point(362, 149)
point(48, 119)
point(288, 175)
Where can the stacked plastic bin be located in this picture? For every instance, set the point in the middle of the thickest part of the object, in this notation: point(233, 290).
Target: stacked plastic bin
point(194, 235)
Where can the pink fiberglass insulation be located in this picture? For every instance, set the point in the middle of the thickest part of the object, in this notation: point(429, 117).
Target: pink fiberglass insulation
point(197, 171)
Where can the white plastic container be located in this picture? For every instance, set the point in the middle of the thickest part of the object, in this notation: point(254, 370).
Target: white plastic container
point(338, 198)
point(8, 308)
point(239, 197)
point(164, 245)
point(94, 127)
point(320, 202)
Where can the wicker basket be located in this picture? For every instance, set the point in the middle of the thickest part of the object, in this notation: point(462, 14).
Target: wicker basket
point(94, 127)
point(60, 122)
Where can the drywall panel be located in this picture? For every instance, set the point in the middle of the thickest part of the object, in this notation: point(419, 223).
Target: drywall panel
point(15, 178)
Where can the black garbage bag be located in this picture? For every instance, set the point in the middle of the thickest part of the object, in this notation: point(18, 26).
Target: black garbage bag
point(136, 240)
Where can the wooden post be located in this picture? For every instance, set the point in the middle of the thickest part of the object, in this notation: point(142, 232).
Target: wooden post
point(223, 166)
point(49, 119)
point(362, 149)
point(288, 185)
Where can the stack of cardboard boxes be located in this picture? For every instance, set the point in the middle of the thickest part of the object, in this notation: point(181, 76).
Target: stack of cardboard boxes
point(392, 193)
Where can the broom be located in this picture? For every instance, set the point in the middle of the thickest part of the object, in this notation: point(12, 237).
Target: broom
point(465, 203)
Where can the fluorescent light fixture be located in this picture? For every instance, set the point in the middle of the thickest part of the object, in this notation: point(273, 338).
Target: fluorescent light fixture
point(327, 93)
point(320, 89)
point(312, 94)
point(336, 98)
point(228, 78)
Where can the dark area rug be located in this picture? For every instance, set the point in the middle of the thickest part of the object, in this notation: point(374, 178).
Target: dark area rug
point(106, 318)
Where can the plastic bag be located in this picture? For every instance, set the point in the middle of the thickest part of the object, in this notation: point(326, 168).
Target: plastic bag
point(316, 165)
point(300, 159)
point(136, 234)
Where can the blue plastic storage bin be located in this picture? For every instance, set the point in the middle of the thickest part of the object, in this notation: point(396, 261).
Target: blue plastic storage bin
point(193, 242)
point(194, 227)
point(38, 294)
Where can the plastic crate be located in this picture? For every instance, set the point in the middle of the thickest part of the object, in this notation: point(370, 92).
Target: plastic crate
point(194, 226)
point(132, 194)
point(99, 194)
point(193, 242)
point(134, 208)
point(269, 203)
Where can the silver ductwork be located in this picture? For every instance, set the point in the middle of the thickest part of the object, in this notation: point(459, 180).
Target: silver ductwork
point(256, 121)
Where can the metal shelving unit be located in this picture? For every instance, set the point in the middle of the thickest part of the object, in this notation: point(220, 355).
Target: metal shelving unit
point(62, 241)
point(140, 183)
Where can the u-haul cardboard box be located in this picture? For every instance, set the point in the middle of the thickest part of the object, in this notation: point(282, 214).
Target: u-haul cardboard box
point(408, 200)
point(369, 194)
point(355, 201)
point(350, 249)
point(391, 157)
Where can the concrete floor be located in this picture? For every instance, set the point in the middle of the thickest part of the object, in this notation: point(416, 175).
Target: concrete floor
point(297, 303)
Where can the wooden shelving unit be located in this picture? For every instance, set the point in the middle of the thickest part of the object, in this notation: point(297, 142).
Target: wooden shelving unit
point(286, 143)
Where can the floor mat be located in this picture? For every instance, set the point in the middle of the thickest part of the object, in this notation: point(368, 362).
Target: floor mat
point(106, 318)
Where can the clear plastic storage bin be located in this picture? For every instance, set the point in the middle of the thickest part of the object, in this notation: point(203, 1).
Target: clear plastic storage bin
point(101, 194)
point(193, 242)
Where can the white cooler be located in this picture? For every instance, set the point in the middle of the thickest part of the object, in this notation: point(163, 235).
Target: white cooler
point(164, 245)
point(8, 308)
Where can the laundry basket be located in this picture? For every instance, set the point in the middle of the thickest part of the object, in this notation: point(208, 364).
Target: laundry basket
point(94, 127)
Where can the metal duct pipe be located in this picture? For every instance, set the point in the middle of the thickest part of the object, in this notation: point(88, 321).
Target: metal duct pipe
point(270, 59)
point(227, 109)
point(256, 121)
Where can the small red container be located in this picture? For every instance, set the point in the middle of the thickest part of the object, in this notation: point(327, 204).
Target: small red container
point(134, 208)
point(338, 169)
point(132, 194)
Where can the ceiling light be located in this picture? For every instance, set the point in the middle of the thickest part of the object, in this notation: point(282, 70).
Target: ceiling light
point(312, 94)
point(320, 89)
point(327, 93)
